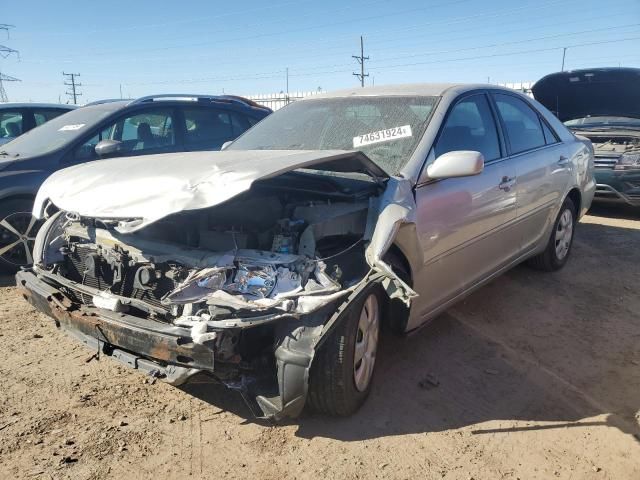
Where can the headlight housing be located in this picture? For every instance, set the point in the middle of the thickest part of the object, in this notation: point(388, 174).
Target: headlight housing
point(628, 161)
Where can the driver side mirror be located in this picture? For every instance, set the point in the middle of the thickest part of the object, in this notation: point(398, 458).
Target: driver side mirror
point(106, 148)
point(226, 144)
point(459, 163)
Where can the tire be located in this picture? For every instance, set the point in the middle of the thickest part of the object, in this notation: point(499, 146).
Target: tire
point(556, 254)
point(396, 314)
point(17, 234)
point(338, 385)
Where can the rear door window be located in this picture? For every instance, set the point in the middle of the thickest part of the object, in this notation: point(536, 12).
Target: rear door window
point(10, 124)
point(550, 136)
point(521, 122)
point(210, 128)
point(44, 115)
point(470, 126)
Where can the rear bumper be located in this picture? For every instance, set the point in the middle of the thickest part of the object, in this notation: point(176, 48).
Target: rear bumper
point(618, 186)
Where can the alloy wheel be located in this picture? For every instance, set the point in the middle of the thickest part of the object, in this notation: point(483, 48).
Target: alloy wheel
point(17, 235)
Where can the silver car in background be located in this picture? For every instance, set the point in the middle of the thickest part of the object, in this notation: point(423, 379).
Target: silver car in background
point(272, 264)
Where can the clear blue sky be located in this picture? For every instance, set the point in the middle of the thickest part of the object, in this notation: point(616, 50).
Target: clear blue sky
point(244, 47)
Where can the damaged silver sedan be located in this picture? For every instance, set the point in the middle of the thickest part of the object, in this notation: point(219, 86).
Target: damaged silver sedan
point(272, 265)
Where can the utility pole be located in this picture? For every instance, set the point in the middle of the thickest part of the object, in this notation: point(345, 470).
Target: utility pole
point(361, 58)
point(73, 93)
point(564, 53)
point(3, 93)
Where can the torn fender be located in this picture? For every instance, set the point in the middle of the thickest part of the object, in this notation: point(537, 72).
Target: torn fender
point(396, 207)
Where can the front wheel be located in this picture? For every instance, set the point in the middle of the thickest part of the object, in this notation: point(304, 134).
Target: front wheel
point(342, 370)
point(558, 249)
point(18, 230)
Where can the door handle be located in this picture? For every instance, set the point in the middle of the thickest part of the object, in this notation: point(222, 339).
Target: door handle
point(563, 161)
point(506, 183)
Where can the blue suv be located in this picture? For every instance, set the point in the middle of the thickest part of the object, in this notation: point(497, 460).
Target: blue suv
point(110, 128)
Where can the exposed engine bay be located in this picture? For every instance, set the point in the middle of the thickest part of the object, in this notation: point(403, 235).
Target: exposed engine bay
point(261, 251)
point(234, 276)
point(610, 148)
point(614, 143)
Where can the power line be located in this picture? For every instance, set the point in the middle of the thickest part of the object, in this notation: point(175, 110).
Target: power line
point(517, 42)
point(479, 57)
point(73, 93)
point(244, 37)
point(311, 72)
point(361, 60)
point(334, 38)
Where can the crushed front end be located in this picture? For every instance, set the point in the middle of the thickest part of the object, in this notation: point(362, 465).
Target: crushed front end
point(244, 291)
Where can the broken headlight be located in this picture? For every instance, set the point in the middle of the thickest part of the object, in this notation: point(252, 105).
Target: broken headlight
point(197, 286)
point(256, 280)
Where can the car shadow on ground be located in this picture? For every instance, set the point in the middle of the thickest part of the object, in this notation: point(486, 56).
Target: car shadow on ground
point(530, 346)
point(615, 211)
point(7, 280)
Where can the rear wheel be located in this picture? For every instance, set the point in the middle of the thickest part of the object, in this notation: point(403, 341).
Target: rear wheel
point(18, 230)
point(558, 249)
point(342, 370)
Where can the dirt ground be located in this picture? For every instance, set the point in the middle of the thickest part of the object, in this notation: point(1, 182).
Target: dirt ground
point(539, 377)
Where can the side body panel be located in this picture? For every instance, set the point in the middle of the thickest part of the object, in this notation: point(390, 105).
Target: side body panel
point(466, 230)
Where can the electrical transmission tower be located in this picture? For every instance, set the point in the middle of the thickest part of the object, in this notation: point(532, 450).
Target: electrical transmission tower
point(6, 27)
point(3, 93)
point(4, 53)
point(361, 58)
point(74, 85)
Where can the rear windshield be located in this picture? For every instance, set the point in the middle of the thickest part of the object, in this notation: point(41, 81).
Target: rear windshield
point(386, 129)
point(57, 132)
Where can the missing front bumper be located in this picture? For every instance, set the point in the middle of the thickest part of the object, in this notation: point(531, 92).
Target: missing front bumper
point(168, 352)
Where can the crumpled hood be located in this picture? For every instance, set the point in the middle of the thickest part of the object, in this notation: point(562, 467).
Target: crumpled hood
point(154, 186)
point(595, 92)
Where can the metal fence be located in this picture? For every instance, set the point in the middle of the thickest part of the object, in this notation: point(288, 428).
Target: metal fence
point(278, 100)
point(524, 87)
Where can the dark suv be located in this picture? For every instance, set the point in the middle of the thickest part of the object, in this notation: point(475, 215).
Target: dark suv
point(602, 104)
point(148, 125)
point(19, 118)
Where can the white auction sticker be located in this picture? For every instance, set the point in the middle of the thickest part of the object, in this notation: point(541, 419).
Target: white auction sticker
point(67, 128)
point(382, 136)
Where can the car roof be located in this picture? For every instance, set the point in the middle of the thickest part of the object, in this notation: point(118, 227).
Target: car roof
point(179, 99)
point(410, 89)
point(8, 105)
